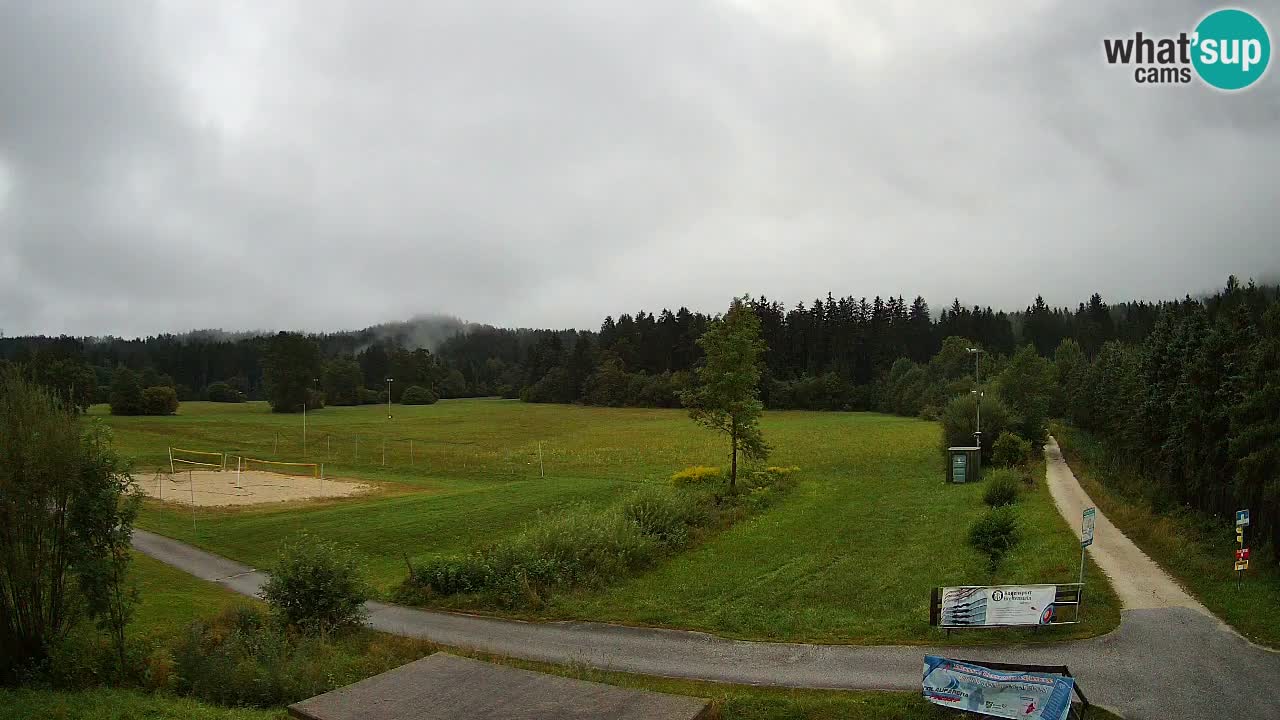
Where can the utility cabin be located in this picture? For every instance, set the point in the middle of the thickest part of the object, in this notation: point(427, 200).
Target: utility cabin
point(964, 464)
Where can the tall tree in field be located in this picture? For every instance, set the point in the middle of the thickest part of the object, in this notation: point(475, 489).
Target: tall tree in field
point(290, 367)
point(727, 397)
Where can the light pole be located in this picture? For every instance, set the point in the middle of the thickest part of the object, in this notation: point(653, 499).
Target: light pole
point(388, 398)
point(977, 394)
point(306, 400)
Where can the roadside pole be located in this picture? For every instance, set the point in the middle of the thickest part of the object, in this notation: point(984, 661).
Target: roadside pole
point(1242, 552)
point(1086, 539)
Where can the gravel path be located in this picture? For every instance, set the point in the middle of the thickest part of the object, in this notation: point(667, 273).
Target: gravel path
point(1169, 659)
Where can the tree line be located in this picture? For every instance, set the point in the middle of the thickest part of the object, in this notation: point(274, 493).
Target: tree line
point(830, 354)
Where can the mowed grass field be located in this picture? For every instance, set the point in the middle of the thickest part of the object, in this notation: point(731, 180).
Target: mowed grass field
point(849, 554)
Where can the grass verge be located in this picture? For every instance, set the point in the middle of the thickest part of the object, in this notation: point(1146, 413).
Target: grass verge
point(367, 653)
point(118, 704)
point(1198, 551)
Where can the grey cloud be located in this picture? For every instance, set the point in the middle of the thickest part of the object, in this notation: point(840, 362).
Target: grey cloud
point(335, 164)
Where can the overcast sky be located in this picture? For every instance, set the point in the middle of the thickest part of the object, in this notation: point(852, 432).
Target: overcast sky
point(324, 164)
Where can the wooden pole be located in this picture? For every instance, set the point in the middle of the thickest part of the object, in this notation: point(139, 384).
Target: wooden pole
point(384, 452)
point(541, 471)
point(192, 486)
point(410, 453)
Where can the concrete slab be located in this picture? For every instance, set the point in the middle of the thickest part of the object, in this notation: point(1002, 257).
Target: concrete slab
point(445, 687)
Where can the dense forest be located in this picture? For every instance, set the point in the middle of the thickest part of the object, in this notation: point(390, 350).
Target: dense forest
point(1186, 392)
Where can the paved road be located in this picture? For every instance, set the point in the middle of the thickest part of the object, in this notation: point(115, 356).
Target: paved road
point(1171, 661)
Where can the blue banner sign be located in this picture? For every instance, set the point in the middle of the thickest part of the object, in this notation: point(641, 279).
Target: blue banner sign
point(998, 693)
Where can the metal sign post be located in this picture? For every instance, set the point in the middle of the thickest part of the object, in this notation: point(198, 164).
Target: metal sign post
point(1086, 539)
point(1242, 552)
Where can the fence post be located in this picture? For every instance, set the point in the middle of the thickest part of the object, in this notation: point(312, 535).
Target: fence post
point(541, 472)
point(410, 453)
point(275, 448)
point(356, 457)
point(384, 452)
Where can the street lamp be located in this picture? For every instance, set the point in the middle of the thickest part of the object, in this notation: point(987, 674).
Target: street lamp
point(977, 393)
point(388, 398)
point(305, 401)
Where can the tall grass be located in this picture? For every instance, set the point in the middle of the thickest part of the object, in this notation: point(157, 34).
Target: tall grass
point(587, 546)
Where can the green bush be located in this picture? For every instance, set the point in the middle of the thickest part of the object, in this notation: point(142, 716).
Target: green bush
point(667, 516)
point(995, 534)
point(242, 658)
point(958, 422)
point(369, 396)
point(159, 400)
point(583, 546)
point(698, 475)
point(1010, 449)
point(316, 586)
point(223, 393)
point(417, 395)
point(1002, 487)
point(126, 392)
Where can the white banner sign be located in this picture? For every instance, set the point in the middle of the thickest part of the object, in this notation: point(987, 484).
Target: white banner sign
point(997, 605)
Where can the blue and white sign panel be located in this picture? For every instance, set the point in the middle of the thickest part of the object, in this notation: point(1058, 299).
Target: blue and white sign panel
point(1086, 528)
point(1242, 518)
point(998, 693)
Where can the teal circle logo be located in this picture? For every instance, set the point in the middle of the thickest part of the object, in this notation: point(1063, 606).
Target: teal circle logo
point(1231, 49)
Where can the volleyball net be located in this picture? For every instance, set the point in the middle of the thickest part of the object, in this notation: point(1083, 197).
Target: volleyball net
point(185, 459)
point(241, 463)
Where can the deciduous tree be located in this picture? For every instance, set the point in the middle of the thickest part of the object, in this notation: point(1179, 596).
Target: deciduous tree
point(726, 398)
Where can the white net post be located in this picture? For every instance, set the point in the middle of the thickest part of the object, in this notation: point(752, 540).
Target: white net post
point(171, 470)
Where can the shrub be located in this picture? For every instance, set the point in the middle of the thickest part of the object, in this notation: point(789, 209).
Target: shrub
point(667, 516)
point(159, 400)
point(315, 399)
point(369, 396)
point(126, 392)
point(1010, 449)
point(958, 422)
point(579, 547)
point(1002, 487)
point(417, 395)
point(241, 658)
point(929, 412)
point(698, 475)
point(995, 534)
point(316, 586)
point(583, 546)
point(223, 393)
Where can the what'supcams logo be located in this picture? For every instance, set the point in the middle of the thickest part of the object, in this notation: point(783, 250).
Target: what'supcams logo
point(1229, 50)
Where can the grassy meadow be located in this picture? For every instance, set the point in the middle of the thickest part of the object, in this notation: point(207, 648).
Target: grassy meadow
point(848, 554)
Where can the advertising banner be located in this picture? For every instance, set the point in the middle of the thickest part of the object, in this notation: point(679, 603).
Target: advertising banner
point(998, 693)
point(996, 605)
